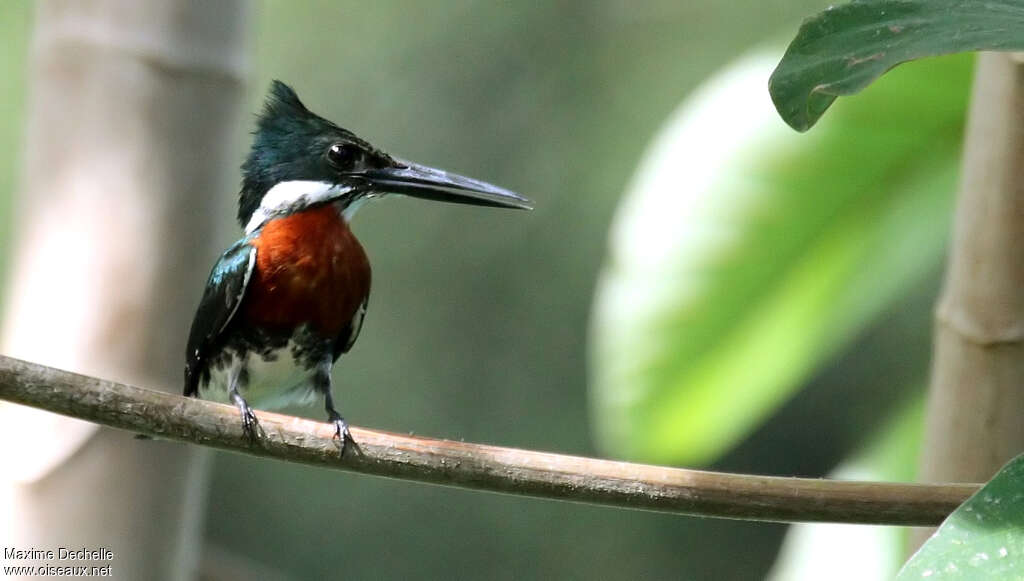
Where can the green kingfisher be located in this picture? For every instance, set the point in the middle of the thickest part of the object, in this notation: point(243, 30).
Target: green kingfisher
point(284, 302)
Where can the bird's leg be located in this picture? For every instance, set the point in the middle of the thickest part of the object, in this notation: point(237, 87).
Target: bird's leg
point(322, 382)
point(250, 425)
point(340, 425)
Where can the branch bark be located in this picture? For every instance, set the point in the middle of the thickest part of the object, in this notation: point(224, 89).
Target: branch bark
point(477, 466)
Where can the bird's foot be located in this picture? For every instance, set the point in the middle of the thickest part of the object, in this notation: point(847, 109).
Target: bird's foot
point(251, 426)
point(341, 433)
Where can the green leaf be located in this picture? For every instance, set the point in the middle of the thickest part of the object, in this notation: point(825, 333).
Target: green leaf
point(983, 539)
point(744, 255)
point(845, 48)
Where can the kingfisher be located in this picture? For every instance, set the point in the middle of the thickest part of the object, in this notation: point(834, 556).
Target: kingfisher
point(283, 303)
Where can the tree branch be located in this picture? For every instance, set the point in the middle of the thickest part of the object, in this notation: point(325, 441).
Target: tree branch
point(478, 466)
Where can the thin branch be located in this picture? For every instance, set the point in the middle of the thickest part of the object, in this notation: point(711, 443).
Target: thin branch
point(478, 466)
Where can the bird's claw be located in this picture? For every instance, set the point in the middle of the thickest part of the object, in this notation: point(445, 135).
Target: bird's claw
point(251, 426)
point(342, 434)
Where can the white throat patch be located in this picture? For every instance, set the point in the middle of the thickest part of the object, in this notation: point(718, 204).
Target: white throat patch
point(289, 196)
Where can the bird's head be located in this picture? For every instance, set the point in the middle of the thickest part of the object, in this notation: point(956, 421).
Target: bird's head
point(299, 159)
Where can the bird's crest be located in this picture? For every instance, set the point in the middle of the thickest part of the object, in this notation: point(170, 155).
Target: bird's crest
point(288, 136)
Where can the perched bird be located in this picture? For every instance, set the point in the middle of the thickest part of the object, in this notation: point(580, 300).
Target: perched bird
point(284, 302)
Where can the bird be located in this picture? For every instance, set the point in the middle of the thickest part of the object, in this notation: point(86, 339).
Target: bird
point(285, 301)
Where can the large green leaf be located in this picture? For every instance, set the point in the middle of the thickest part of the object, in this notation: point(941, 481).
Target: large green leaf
point(843, 49)
point(983, 539)
point(745, 255)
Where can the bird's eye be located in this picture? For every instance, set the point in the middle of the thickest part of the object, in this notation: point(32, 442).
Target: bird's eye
point(342, 155)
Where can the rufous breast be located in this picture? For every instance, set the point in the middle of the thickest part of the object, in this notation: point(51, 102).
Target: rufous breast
point(309, 269)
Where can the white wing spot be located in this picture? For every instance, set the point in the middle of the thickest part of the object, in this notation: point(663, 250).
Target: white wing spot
point(241, 291)
point(356, 326)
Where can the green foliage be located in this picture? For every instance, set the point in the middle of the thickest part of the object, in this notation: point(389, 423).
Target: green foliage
point(745, 256)
point(845, 48)
point(983, 539)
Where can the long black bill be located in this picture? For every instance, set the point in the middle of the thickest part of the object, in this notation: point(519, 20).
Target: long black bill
point(433, 184)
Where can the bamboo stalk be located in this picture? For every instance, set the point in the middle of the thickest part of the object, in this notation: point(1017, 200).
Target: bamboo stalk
point(131, 125)
point(976, 394)
point(476, 466)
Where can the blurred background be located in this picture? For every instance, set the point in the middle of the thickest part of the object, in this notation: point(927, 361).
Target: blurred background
point(698, 285)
